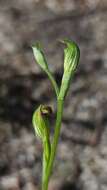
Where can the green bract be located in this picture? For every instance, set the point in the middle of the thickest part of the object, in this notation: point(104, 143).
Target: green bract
point(71, 59)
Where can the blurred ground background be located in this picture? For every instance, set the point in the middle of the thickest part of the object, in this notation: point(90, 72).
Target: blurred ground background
point(23, 86)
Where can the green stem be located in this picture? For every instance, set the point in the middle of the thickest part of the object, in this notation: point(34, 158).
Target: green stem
point(54, 144)
point(46, 156)
point(55, 86)
point(44, 171)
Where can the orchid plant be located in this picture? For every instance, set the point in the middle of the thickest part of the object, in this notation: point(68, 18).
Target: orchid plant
point(40, 120)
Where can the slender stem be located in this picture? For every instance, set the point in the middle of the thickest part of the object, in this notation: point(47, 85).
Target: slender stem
point(43, 171)
point(54, 144)
point(54, 84)
point(46, 156)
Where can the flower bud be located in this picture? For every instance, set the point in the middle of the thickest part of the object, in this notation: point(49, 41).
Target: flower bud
point(39, 56)
point(40, 121)
point(71, 59)
point(41, 125)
